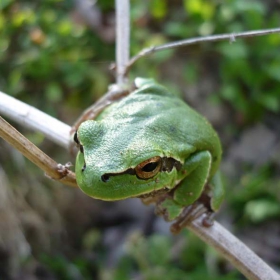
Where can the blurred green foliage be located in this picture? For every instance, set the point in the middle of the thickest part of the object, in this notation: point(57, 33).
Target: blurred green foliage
point(154, 258)
point(51, 59)
point(158, 257)
point(48, 58)
point(256, 198)
point(46, 41)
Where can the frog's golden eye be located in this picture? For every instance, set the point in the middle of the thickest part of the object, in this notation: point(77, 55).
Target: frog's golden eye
point(76, 138)
point(148, 168)
point(78, 142)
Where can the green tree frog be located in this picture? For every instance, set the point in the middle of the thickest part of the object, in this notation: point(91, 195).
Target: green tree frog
point(153, 146)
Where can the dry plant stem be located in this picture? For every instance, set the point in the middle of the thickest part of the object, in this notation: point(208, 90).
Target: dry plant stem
point(218, 237)
point(122, 39)
point(31, 117)
point(231, 248)
point(231, 37)
point(246, 261)
point(34, 154)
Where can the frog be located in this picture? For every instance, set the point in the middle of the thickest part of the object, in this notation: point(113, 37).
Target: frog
point(152, 145)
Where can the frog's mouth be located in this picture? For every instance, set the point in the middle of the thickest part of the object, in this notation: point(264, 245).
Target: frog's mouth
point(154, 193)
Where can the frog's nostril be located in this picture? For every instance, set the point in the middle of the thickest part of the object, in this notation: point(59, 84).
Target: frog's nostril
point(105, 178)
point(76, 138)
point(84, 167)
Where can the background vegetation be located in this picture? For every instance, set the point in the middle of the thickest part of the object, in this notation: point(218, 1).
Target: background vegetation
point(54, 58)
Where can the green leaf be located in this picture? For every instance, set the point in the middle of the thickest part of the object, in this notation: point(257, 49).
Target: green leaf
point(235, 50)
point(159, 245)
point(158, 8)
point(205, 9)
point(273, 70)
point(271, 102)
point(5, 3)
point(261, 209)
point(54, 92)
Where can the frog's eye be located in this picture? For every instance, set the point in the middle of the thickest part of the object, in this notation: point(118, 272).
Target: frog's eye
point(76, 138)
point(148, 168)
point(78, 142)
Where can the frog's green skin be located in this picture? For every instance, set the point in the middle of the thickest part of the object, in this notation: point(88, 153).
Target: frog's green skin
point(150, 122)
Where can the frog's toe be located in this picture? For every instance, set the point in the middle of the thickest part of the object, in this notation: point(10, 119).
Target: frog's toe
point(208, 221)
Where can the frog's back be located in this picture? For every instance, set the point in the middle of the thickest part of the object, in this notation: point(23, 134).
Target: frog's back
point(154, 113)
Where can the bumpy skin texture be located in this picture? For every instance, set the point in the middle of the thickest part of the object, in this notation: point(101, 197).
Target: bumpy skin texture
point(150, 122)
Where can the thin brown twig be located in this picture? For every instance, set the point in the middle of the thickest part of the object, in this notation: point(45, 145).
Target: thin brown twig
point(231, 37)
point(33, 153)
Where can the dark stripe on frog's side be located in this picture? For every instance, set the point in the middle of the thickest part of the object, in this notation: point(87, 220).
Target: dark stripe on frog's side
point(167, 165)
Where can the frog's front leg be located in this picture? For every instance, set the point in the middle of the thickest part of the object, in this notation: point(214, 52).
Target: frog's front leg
point(197, 168)
point(182, 203)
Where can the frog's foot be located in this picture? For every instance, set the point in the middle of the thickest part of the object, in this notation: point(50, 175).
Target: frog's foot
point(168, 208)
point(208, 221)
point(191, 213)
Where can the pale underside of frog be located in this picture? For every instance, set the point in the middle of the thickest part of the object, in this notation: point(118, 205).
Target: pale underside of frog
point(150, 144)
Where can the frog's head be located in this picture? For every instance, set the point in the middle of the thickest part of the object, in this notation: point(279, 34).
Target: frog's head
point(116, 161)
